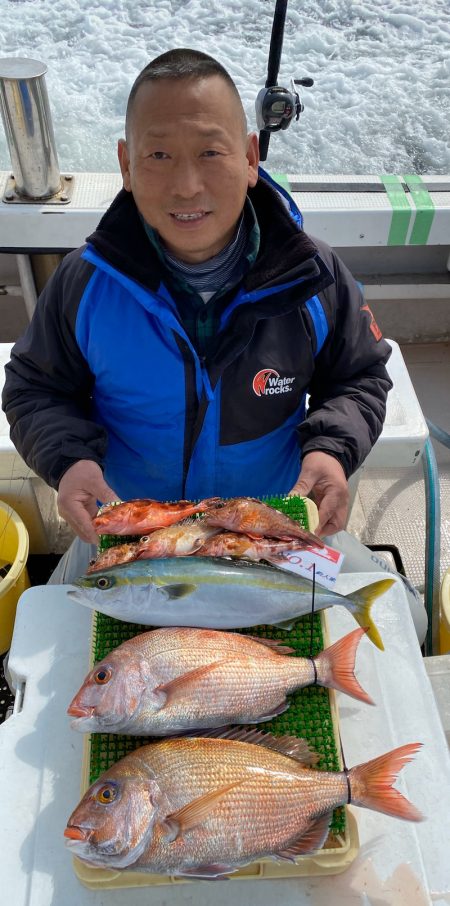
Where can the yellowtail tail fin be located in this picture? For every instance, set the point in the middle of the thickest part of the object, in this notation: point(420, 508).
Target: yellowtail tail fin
point(371, 784)
point(362, 601)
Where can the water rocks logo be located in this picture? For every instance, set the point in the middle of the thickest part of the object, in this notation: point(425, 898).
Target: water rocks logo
point(268, 382)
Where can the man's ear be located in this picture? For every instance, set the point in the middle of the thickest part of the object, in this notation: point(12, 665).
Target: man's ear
point(124, 162)
point(253, 158)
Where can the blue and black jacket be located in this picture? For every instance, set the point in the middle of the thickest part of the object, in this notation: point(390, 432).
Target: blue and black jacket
point(106, 371)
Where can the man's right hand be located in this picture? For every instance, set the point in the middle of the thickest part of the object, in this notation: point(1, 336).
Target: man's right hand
point(79, 490)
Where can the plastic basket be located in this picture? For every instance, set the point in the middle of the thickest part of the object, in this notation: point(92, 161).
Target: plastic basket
point(312, 715)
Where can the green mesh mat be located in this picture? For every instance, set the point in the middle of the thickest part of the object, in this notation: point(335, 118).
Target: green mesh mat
point(309, 715)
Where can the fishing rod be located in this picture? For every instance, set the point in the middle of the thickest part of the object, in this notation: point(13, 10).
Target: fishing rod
point(277, 106)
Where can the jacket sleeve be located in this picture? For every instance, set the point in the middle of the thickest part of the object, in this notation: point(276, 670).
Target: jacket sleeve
point(47, 391)
point(349, 388)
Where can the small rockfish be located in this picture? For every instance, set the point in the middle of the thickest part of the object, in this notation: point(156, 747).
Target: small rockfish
point(171, 680)
point(215, 593)
point(254, 518)
point(204, 807)
point(240, 546)
point(177, 540)
point(112, 556)
point(136, 517)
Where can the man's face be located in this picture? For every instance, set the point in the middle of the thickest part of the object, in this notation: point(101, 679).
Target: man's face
point(189, 163)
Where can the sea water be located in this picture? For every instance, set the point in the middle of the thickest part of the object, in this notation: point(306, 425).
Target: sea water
point(381, 70)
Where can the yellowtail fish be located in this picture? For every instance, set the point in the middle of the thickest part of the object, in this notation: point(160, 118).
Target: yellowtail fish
point(215, 594)
point(171, 680)
point(204, 807)
point(256, 519)
point(136, 517)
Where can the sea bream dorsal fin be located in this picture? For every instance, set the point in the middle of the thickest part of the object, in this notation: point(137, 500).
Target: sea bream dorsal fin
point(291, 746)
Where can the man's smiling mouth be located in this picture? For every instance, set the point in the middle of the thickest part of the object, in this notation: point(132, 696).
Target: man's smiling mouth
point(194, 215)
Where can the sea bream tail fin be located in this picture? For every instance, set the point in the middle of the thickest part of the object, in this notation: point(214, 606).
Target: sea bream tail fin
point(362, 601)
point(335, 666)
point(370, 784)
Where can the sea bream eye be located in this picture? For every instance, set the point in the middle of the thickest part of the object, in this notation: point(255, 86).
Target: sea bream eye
point(103, 582)
point(106, 794)
point(102, 676)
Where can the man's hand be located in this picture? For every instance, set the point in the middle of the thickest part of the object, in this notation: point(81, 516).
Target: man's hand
point(79, 489)
point(324, 476)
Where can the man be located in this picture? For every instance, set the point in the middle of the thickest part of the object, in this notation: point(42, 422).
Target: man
point(170, 356)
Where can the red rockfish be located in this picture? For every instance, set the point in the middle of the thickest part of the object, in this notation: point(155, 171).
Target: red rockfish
point(119, 553)
point(240, 546)
point(254, 518)
point(178, 540)
point(136, 517)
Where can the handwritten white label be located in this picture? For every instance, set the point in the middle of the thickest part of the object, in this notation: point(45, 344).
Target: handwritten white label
point(327, 560)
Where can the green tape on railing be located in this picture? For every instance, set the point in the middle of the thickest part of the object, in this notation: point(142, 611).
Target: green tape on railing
point(424, 210)
point(401, 209)
point(282, 179)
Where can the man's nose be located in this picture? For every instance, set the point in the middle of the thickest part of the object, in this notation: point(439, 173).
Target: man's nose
point(187, 180)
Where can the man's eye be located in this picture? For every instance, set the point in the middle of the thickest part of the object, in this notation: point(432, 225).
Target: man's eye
point(210, 153)
point(158, 155)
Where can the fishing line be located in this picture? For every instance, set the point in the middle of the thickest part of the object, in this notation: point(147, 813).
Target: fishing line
point(311, 658)
point(346, 771)
point(311, 627)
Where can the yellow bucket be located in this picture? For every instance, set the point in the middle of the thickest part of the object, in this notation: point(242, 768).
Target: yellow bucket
point(13, 554)
point(444, 624)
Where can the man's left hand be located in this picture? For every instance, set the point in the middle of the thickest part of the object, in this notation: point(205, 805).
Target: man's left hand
point(324, 477)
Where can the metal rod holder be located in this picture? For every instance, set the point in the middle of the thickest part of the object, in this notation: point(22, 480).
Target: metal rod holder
point(28, 126)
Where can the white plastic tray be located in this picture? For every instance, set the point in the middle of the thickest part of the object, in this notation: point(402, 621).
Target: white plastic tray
point(40, 760)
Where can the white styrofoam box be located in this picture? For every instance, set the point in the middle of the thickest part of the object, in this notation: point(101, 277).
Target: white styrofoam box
point(438, 669)
point(405, 430)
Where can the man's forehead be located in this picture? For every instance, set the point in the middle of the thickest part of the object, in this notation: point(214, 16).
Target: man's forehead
point(163, 130)
point(209, 104)
point(182, 91)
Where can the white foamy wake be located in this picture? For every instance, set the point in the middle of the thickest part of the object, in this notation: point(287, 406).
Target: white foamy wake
point(380, 103)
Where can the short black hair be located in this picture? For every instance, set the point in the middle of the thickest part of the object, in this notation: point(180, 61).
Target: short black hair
point(181, 63)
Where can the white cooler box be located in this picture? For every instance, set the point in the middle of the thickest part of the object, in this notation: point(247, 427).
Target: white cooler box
point(405, 430)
